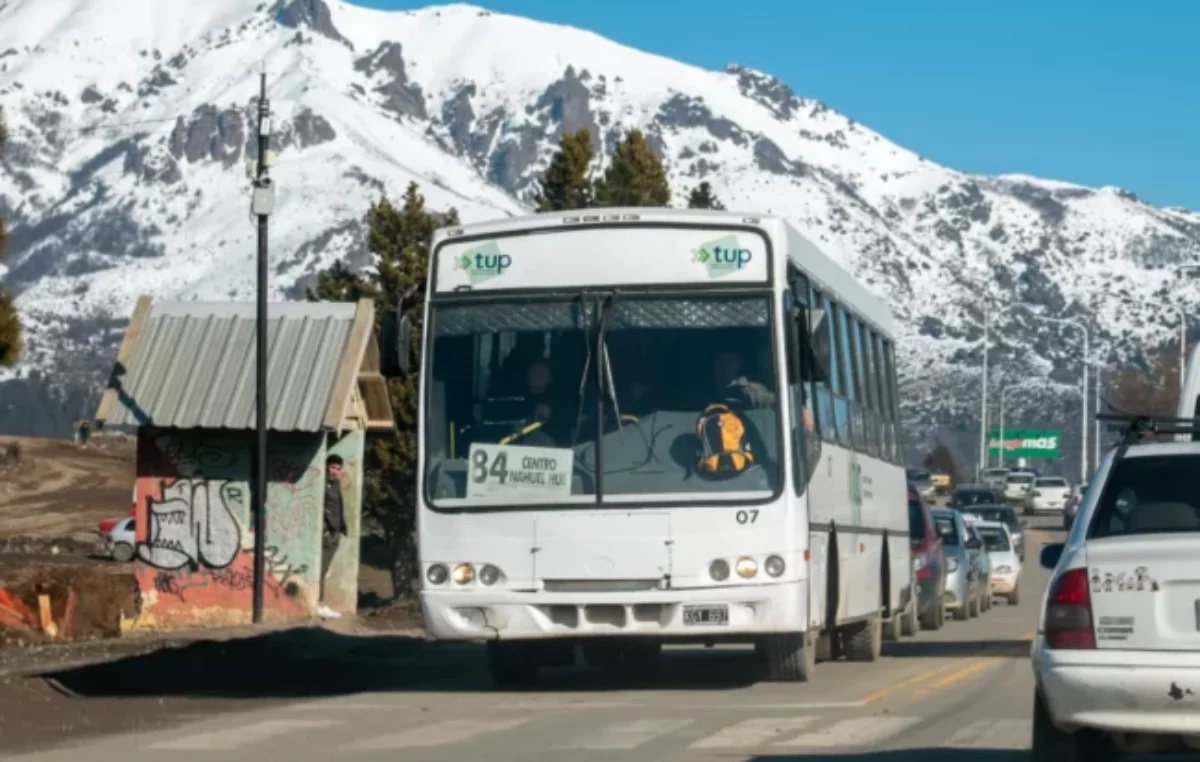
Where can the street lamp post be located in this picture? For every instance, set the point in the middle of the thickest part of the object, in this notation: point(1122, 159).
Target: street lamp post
point(1179, 270)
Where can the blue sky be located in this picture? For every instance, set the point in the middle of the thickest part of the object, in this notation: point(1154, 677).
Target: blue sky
point(1098, 93)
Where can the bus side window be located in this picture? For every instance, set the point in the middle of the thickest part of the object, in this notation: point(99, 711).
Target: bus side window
point(801, 397)
point(889, 361)
point(825, 389)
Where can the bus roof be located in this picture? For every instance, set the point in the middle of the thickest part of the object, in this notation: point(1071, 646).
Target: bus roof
point(824, 272)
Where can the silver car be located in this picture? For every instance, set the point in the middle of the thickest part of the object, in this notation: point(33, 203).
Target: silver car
point(964, 586)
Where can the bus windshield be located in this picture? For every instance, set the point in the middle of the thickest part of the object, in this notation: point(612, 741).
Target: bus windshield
point(530, 384)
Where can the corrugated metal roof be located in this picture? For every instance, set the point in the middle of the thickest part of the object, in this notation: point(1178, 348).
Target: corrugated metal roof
point(192, 365)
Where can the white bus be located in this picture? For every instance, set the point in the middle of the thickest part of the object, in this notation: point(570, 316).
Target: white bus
point(1189, 392)
point(567, 494)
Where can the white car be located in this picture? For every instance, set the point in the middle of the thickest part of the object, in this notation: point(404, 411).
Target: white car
point(1048, 494)
point(121, 541)
point(1017, 484)
point(1006, 564)
point(1117, 653)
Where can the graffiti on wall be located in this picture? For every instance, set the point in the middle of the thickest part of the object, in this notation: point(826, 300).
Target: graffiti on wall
point(195, 551)
point(193, 523)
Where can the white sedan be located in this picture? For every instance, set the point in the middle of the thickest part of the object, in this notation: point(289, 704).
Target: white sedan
point(1006, 564)
point(1117, 654)
point(1048, 494)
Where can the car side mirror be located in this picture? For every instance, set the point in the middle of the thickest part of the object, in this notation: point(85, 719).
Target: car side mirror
point(1051, 555)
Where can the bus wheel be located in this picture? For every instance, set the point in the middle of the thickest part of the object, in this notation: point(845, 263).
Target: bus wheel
point(790, 658)
point(892, 629)
point(511, 665)
point(863, 641)
point(908, 622)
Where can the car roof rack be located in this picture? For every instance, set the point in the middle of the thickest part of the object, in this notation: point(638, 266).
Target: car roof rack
point(1134, 427)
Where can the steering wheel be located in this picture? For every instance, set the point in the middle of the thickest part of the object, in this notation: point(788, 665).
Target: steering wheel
point(522, 432)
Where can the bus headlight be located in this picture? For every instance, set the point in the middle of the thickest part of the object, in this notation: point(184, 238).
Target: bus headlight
point(463, 573)
point(718, 570)
point(436, 574)
point(489, 574)
point(746, 568)
point(774, 566)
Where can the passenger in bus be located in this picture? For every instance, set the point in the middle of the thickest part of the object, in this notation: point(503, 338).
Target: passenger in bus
point(733, 387)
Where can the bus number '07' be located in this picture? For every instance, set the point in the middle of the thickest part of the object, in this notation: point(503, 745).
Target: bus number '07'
point(747, 517)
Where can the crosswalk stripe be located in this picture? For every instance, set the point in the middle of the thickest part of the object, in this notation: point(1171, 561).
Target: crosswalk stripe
point(439, 733)
point(758, 731)
point(228, 739)
point(859, 731)
point(1009, 733)
point(627, 735)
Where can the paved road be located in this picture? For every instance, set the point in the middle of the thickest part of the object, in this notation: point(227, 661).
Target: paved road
point(962, 693)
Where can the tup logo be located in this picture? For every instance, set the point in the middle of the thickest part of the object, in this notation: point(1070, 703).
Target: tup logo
point(485, 262)
point(722, 256)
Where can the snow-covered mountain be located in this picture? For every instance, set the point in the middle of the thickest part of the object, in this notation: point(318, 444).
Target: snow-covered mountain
point(131, 125)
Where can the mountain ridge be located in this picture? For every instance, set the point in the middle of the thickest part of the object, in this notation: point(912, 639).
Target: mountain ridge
point(125, 175)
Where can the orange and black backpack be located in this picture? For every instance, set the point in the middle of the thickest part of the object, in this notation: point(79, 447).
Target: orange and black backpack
point(724, 447)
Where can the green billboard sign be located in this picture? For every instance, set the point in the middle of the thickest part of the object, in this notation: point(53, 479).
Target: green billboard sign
point(1041, 444)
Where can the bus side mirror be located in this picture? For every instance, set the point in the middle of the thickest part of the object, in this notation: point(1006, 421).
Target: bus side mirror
point(404, 346)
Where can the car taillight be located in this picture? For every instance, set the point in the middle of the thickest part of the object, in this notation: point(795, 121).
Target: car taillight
point(1069, 612)
point(1037, 493)
point(1066, 494)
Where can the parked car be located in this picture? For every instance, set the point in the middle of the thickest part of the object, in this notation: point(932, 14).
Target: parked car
point(1016, 486)
point(923, 481)
point(963, 584)
point(121, 541)
point(982, 560)
point(966, 495)
point(929, 562)
point(1005, 578)
point(1117, 652)
point(1048, 494)
point(1005, 515)
point(994, 478)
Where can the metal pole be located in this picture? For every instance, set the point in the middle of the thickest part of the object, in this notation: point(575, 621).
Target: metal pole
point(1000, 455)
point(1096, 428)
point(1083, 423)
point(1182, 347)
point(260, 361)
point(983, 392)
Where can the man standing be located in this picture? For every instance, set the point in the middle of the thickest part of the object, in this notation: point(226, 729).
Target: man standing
point(334, 526)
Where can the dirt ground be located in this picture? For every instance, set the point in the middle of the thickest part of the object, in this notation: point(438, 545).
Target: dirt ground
point(58, 489)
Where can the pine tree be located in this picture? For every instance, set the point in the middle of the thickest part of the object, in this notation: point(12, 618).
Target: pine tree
point(398, 240)
point(635, 177)
point(702, 197)
point(566, 184)
point(10, 322)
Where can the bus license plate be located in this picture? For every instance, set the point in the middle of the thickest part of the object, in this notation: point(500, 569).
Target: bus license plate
point(710, 615)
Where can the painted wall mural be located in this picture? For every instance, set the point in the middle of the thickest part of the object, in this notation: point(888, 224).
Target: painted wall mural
point(195, 561)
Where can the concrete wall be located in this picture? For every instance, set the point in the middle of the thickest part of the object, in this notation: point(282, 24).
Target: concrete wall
point(195, 534)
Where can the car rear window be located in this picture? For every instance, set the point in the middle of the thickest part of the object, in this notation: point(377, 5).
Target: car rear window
point(1019, 478)
point(945, 527)
point(974, 497)
point(993, 539)
point(995, 472)
point(1003, 515)
point(1150, 495)
point(918, 476)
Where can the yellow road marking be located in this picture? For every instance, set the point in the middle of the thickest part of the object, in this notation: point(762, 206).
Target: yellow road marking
point(958, 676)
point(927, 675)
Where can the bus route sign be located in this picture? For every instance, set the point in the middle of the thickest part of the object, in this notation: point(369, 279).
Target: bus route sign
point(1041, 444)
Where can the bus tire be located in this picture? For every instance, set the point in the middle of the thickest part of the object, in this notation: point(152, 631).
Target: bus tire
point(511, 665)
point(790, 658)
point(863, 641)
point(908, 623)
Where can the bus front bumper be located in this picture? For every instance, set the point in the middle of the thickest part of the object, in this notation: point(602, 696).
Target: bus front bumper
point(670, 614)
